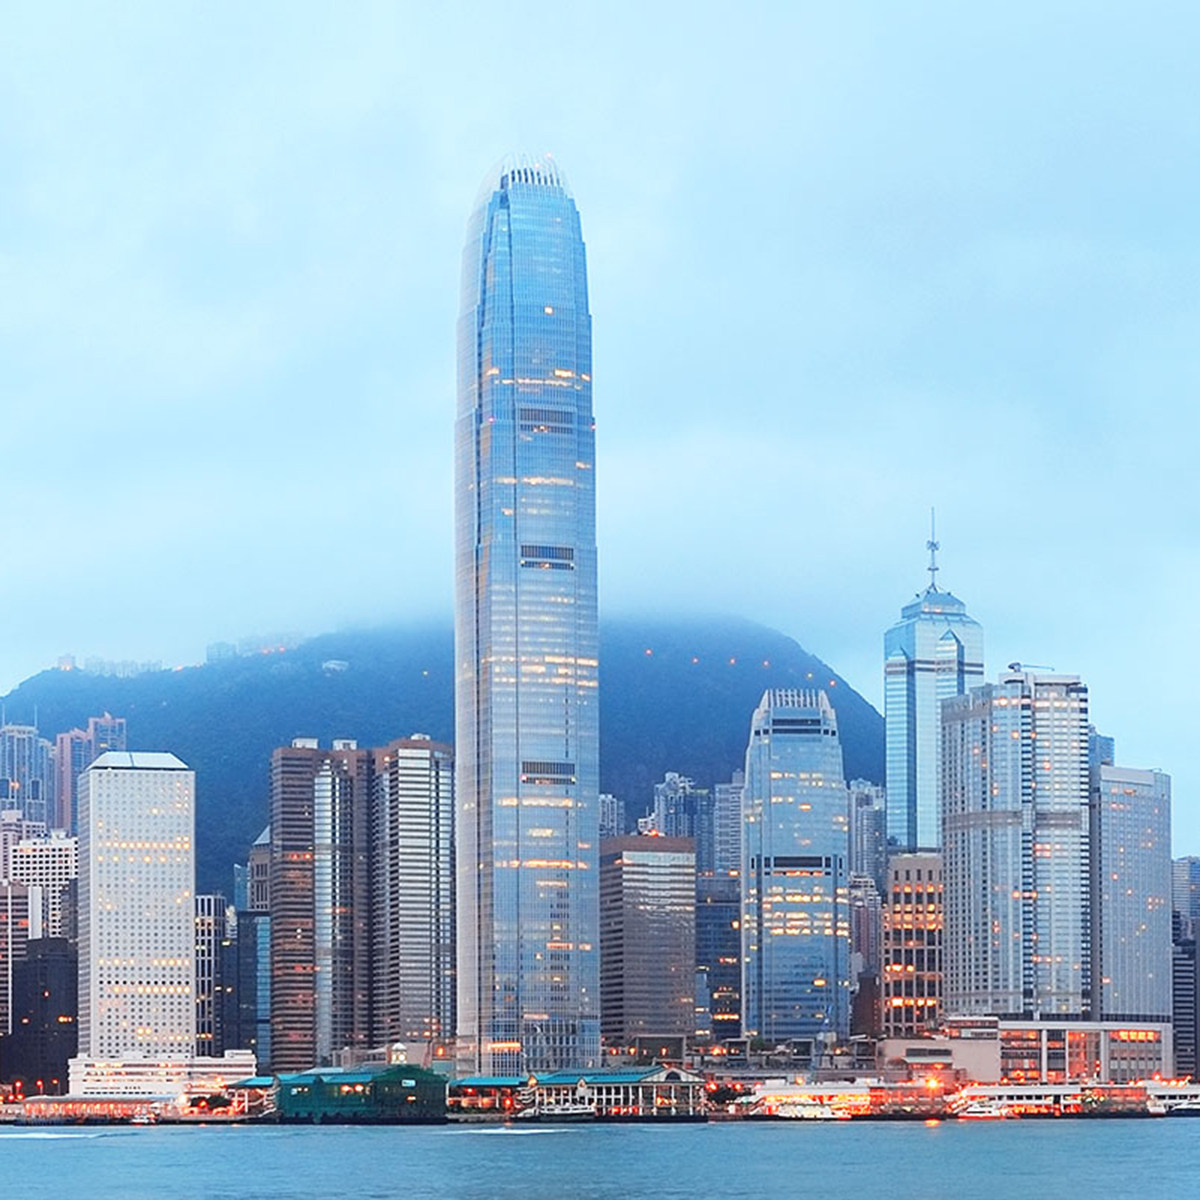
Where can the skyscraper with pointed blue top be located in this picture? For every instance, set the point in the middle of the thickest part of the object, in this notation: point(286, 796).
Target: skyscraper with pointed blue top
point(934, 651)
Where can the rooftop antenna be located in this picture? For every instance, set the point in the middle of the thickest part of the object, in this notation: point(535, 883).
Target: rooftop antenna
point(933, 546)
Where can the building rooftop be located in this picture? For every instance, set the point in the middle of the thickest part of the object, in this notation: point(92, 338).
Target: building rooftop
point(933, 603)
point(138, 760)
point(531, 170)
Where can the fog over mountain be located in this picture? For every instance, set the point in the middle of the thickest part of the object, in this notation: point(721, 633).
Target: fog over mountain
point(676, 695)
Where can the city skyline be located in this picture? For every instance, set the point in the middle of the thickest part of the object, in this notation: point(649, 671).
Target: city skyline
point(938, 249)
point(968, 910)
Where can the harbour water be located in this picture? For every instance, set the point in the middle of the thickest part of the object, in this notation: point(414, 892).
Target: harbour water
point(1063, 1159)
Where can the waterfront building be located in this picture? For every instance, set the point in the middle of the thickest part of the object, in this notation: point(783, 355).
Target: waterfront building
point(252, 989)
point(26, 773)
point(412, 893)
point(44, 1031)
point(934, 651)
point(136, 917)
point(370, 1095)
point(868, 830)
point(1185, 887)
point(526, 643)
point(1017, 858)
point(137, 933)
point(795, 852)
point(719, 951)
point(319, 889)
point(14, 936)
point(1055, 1051)
point(1185, 1007)
point(727, 825)
point(211, 935)
point(1130, 838)
point(1058, 1050)
point(647, 938)
point(612, 816)
point(912, 969)
point(661, 1092)
point(247, 1009)
point(49, 867)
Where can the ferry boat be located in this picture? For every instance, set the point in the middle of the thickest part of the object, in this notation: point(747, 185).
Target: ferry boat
point(984, 1110)
point(557, 1112)
point(808, 1111)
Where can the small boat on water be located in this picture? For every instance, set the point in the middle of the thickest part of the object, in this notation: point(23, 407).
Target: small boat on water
point(1186, 1108)
point(807, 1111)
point(984, 1110)
point(558, 1112)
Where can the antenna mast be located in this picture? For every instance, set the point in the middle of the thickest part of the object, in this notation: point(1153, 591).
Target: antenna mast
point(933, 546)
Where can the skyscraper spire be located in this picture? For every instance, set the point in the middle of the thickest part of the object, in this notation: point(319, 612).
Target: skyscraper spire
point(933, 546)
point(935, 650)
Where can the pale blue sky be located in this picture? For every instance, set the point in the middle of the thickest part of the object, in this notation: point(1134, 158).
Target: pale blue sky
point(847, 261)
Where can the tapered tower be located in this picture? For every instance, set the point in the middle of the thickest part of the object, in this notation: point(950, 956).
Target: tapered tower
point(525, 634)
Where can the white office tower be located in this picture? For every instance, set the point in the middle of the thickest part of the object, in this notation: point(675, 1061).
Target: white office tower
point(1016, 848)
point(47, 866)
point(137, 1012)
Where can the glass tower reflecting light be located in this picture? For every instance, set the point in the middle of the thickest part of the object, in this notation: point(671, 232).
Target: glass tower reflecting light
point(525, 634)
point(933, 652)
point(795, 860)
point(1017, 848)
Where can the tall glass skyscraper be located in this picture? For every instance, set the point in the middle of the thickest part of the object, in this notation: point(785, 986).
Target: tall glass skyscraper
point(795, 872)
point(526, 643)
point(1017, 857)
point(934, 651)
point(1131, 900)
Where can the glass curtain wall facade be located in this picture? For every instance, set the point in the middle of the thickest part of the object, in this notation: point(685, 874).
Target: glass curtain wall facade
point(1131, 896)
point(647, 938)
point(27, 780)
point(1185, 887)
point(795, 872)
point(934, 651)
point(412, 894)
point(526, 646)
point(1017, 854)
